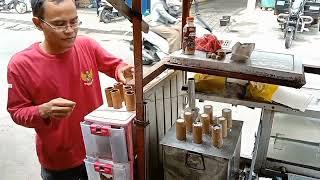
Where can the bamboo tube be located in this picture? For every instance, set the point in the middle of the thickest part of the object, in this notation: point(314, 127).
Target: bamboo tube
point(119, 86)
point(103, 177)
point(133, 87)
point(214, 120)
point(130, 100)
point(108, 96)
point(127, 88)
point(205, 123)
point(116, 99)
point(197, 132)
point(224, 125)
point(227, 113)
point(181, 129)
point(217, 140)
point(188, 119)
point(208, 110)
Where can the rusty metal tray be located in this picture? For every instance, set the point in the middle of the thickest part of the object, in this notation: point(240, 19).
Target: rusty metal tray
point(268, 67)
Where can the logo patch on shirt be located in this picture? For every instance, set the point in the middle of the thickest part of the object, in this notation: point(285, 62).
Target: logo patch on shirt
point(87, 77)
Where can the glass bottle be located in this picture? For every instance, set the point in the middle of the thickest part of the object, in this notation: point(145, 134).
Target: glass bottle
point(189, 37)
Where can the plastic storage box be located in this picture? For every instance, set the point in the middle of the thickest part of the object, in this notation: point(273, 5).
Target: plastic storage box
point(104, 142)
point(107, 134)
point(104, 169)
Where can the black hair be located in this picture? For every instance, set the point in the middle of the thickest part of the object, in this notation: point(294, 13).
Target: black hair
point(37, 7)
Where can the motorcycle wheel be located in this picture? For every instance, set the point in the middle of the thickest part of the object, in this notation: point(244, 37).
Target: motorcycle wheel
point(106, 15)
point(288, 41)
point(20, 7)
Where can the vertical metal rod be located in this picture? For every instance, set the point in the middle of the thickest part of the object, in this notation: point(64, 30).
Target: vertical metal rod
point(140, 129)
point(192, 99)
point(265, 128)
point(255, 152)
point(191, 93)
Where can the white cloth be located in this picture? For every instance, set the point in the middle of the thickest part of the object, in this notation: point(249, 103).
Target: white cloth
point(160, 14)
point(7, 1)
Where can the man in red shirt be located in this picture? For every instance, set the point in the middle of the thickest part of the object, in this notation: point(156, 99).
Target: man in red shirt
point(55, 83)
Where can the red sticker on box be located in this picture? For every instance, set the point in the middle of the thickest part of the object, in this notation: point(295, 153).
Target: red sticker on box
point(100, 130)
point(103, 168)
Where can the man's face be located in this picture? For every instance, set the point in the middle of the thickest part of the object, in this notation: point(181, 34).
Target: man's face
point(58, 15)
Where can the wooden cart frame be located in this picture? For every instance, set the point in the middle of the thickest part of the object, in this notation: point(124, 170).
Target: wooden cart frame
point(163, 96)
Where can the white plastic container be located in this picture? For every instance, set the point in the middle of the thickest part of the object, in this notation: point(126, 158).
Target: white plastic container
point(105, 142)
point(98, 169)
point(114, 118)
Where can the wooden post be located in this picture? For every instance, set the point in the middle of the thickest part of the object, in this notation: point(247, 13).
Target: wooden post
point(140, 125)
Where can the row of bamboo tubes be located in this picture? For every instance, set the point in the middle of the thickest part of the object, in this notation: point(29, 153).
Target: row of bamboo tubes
point(216, 127)
point(121, 93)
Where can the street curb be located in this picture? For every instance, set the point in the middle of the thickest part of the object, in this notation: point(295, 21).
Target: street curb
point(16, 21)
point(86, 30)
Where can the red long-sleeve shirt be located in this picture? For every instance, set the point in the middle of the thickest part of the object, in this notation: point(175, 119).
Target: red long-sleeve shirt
point(37, 77)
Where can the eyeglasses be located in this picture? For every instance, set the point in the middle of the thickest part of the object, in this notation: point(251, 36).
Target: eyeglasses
point(64, 28)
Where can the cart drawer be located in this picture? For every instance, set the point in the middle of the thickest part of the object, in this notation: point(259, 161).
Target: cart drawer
point(103, 169)
point(104, 142)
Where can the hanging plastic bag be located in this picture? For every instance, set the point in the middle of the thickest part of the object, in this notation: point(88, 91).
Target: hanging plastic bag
point(261, 91)
point(209, 83)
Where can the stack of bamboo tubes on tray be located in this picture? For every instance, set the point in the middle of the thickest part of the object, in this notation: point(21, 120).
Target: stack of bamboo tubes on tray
point(121, 93)
point(207, 124)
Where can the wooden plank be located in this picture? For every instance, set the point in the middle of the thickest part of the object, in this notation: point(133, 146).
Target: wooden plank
point(167, 105)
point(147, 141)
point(160, 116)
point(174, 99)
point(314, 69)
point(128, 13)
point(237, 75)
point(153, 134)
point(180, 83)
point(159, 81)
point(154, 94)
point(311, 111)
point(268, 67)
point(154, 71)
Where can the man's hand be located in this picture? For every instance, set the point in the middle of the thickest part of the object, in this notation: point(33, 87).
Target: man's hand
point(57, 108)
point(125, 73)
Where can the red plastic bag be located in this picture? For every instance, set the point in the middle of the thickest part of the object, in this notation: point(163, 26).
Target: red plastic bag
point(208, 43)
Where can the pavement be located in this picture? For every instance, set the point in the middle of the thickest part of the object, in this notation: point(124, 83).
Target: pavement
point(90, 22)
point(17, 152)
point(18, 158)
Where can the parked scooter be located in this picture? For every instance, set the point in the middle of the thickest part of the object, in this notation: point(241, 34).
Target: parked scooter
point(19, 6)
point(107, 12)
point(295, 21)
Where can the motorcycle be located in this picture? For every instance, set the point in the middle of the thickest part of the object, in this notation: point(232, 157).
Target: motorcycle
point(295, 21)
point(107, 12)
point(19, 6)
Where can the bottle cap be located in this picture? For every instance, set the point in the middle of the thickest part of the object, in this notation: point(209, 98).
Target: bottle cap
point(190, 18)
